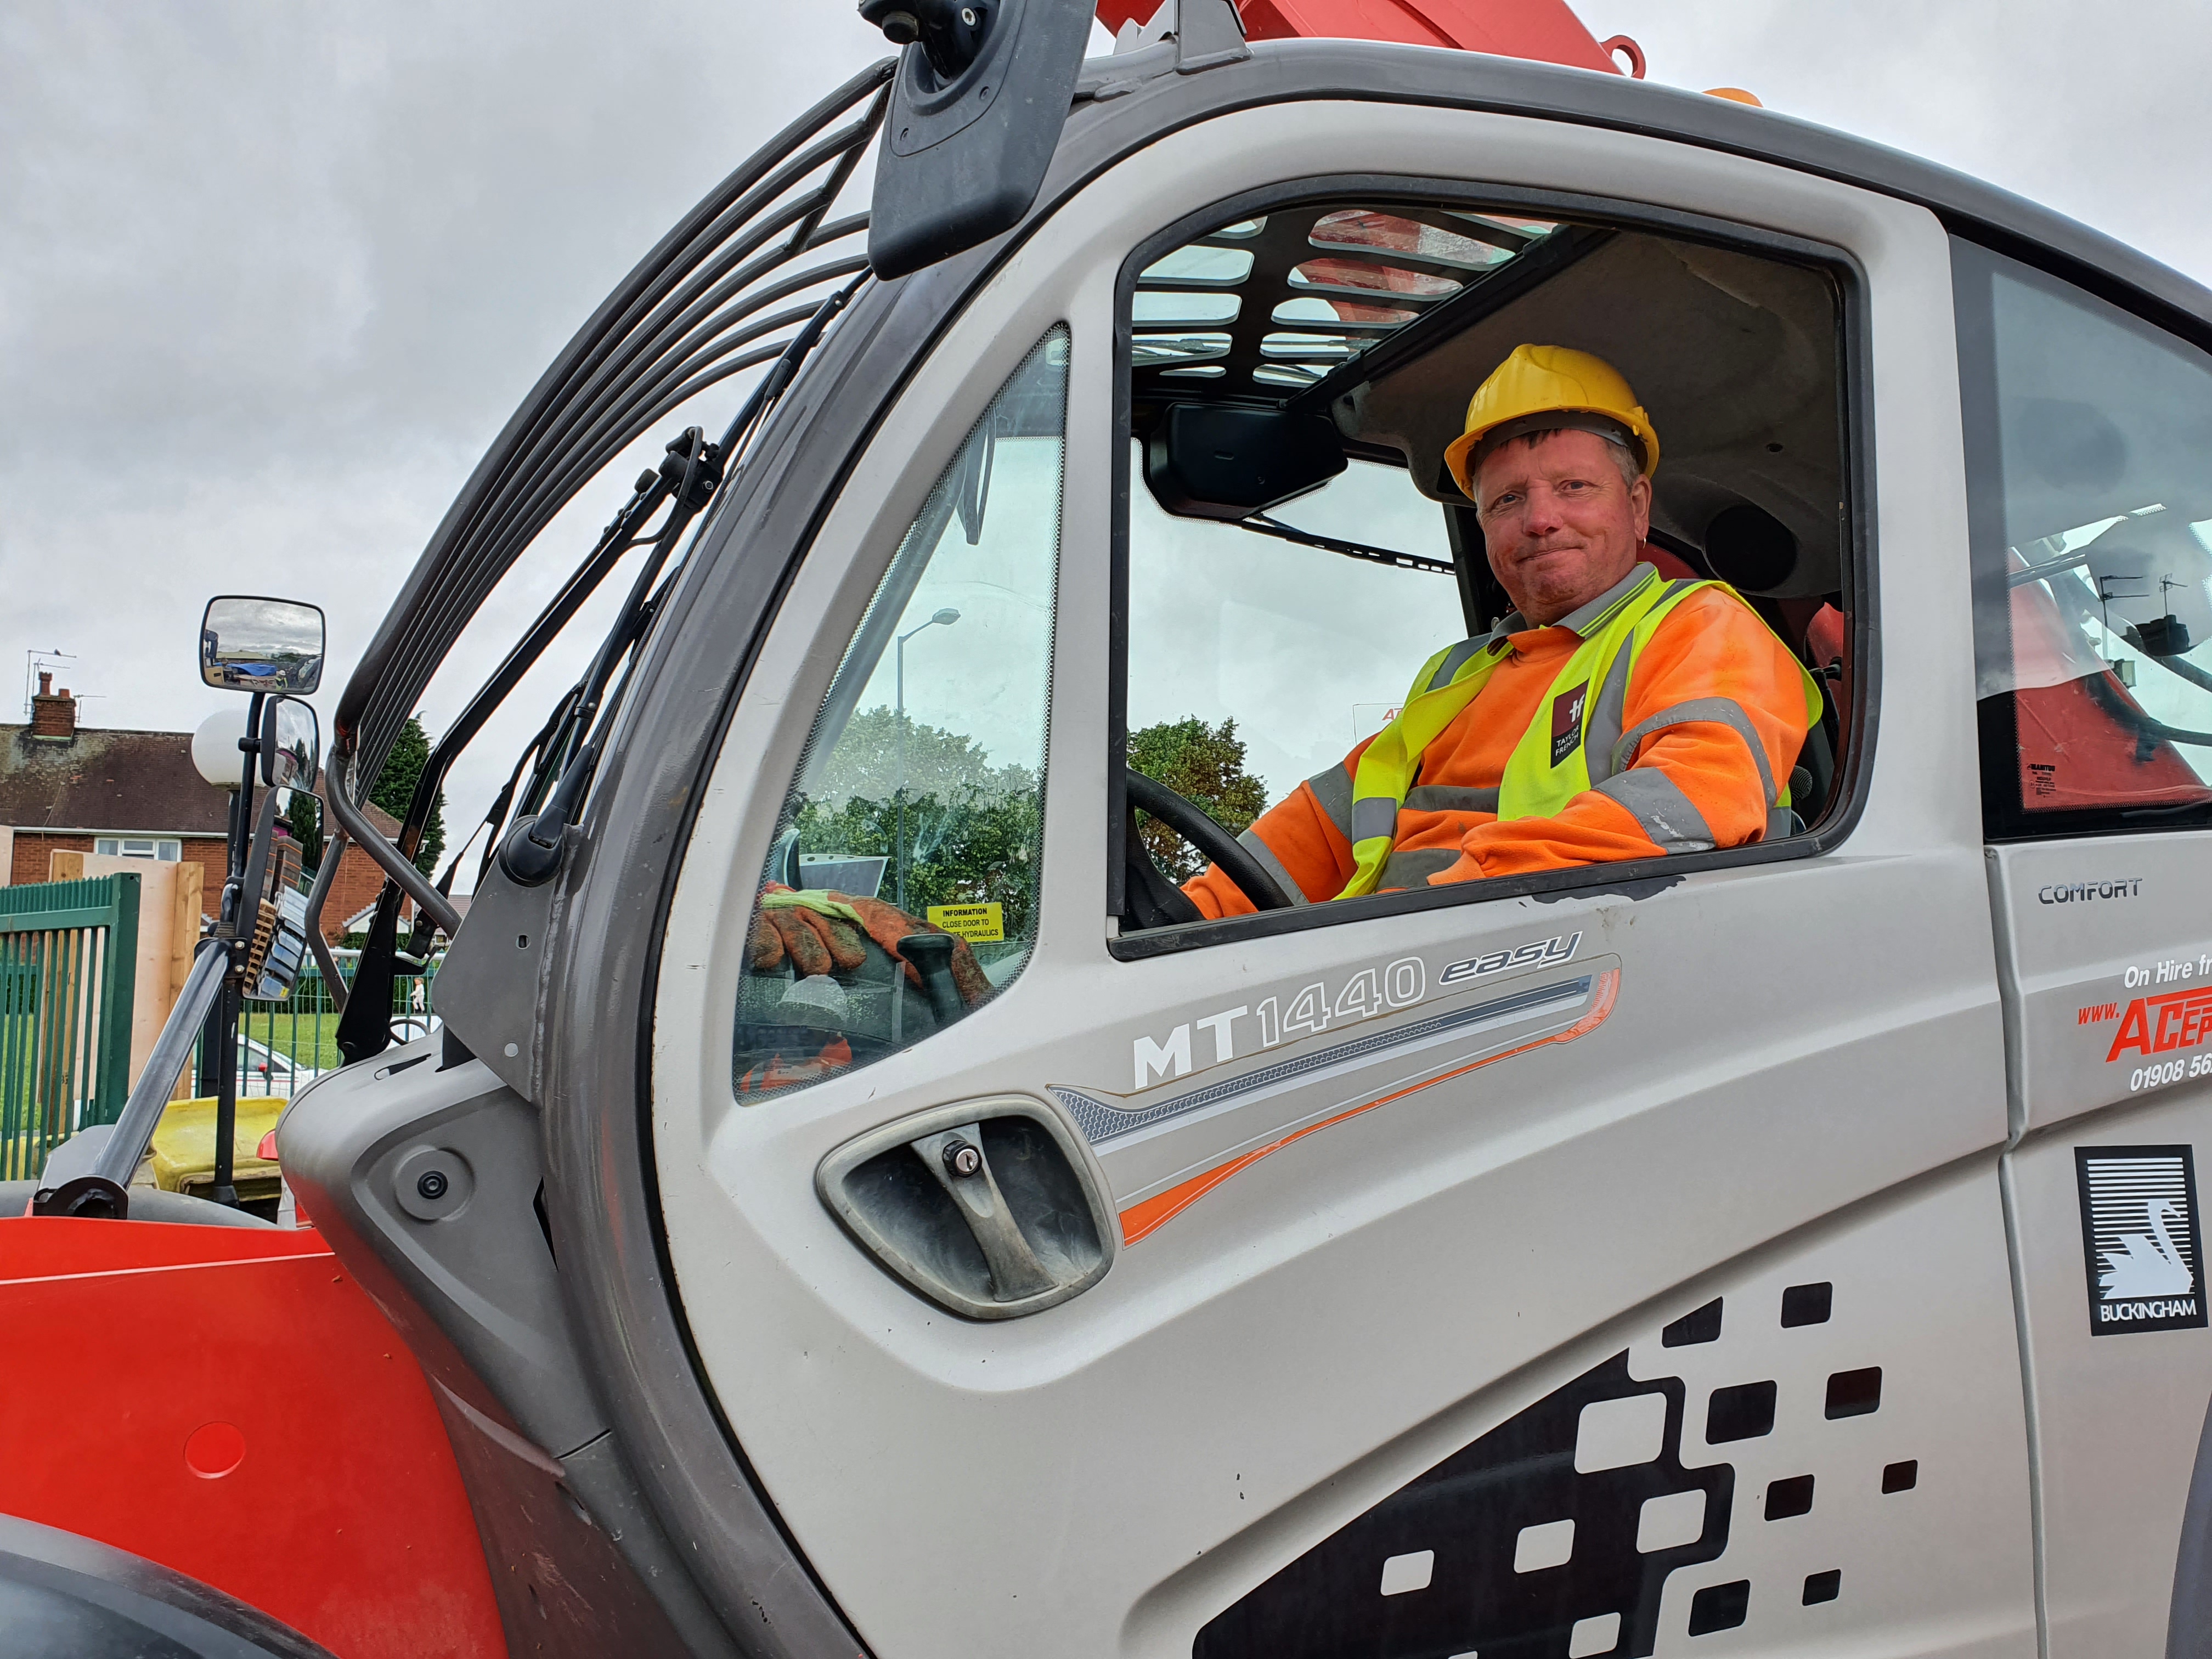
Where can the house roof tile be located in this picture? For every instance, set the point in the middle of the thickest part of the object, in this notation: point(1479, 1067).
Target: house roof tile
point(115, 781)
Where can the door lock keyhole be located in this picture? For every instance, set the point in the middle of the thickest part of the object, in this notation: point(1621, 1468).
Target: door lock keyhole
point(994, 1209)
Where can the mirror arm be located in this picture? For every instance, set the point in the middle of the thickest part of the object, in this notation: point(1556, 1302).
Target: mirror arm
point(326, 875)
point(241, 804)
point(394, 863)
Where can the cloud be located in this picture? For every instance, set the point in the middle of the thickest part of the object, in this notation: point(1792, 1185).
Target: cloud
point(271, 278)
point(2099, 115)
point(270, 281)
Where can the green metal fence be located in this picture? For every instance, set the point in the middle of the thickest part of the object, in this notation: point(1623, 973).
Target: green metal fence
point(68, 953)
point(281, 1045)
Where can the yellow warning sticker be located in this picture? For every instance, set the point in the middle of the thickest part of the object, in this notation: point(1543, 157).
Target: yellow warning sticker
point(979, 924)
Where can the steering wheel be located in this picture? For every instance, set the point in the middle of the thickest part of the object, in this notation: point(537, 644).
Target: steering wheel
point(1191, 823)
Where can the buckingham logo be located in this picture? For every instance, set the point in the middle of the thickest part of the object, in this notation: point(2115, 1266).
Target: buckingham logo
point(2139, 1239)
point(1567, 722)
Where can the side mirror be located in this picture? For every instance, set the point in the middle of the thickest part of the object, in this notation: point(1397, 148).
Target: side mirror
point(248, 643)
point(291, 744)
point(982, 90)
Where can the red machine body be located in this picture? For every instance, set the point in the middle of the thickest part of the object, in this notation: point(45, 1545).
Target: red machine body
point(1544, 30)
point(226, 1401)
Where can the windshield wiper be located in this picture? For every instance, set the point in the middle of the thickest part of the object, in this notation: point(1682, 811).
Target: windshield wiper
point(1261, 525)
point(565, 750)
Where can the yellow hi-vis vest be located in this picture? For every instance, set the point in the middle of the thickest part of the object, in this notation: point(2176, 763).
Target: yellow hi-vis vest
point(1575, 743)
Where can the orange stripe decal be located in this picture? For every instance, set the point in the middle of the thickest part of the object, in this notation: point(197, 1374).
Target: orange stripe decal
point(1148, 1216)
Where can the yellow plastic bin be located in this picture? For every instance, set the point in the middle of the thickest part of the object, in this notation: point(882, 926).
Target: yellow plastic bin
point(184, 1147)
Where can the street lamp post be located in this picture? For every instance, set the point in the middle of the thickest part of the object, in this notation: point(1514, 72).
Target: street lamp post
point(944, 618)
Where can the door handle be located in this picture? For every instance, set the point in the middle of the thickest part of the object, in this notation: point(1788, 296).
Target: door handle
point(992, 1209)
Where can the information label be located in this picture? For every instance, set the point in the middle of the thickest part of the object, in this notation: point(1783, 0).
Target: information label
point(979, 924)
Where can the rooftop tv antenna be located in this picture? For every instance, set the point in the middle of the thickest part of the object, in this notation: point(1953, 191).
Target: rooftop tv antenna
point(33, 662)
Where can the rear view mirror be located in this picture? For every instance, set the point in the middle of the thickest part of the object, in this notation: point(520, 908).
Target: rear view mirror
point(1223, 461)
point(248, 643)
point(291, 744)
point(982, 90)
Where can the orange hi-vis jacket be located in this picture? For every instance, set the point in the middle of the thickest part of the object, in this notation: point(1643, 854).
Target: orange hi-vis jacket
point(1709, 646)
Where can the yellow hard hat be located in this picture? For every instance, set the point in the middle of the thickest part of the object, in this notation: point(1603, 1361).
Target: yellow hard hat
point(1541, 381)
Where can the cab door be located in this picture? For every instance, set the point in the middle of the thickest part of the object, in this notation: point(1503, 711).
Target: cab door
point(2091, 499)
point(1611, 1264)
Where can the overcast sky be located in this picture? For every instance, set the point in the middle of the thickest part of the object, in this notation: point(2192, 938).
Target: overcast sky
point(272, 277)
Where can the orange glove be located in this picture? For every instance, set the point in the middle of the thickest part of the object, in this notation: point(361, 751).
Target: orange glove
point(816, 943)
point(887, 925)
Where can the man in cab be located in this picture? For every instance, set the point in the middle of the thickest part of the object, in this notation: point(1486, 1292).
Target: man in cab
point(1615, 713)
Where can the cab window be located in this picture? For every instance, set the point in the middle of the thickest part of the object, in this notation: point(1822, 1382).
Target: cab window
point(2089, 474)
point(1296, 543)
point(901, 892)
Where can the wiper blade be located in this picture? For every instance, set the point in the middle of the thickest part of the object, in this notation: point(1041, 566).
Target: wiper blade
point(1260, 524)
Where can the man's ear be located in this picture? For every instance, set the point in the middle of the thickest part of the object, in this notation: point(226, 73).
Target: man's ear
point(1639, 507)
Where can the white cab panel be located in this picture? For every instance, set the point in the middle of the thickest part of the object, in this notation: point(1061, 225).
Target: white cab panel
point(1272, 1361)
point(2119, 1400)
point(2106, 949)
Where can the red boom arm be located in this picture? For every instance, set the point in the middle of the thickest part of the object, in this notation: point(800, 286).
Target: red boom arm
point(1542, 29)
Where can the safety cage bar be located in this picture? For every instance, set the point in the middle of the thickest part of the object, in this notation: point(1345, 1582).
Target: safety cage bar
point(754, 274)
point(727, 289)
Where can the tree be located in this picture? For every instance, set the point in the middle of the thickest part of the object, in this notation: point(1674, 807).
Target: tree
point(1204, 764)
point(304, 819)
point(972, 828)
point(974, 850)
point(395, 791)
point(865, 764)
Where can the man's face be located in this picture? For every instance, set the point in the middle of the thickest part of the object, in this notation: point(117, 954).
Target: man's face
point(1560, 525)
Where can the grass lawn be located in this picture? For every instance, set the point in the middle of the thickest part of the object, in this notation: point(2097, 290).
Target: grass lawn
point(304, 1029)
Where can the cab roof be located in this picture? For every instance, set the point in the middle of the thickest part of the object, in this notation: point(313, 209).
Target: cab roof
point(1127, 101)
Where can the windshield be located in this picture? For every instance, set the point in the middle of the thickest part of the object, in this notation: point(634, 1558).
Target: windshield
point(1308, 651)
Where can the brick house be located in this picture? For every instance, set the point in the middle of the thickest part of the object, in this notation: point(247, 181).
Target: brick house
point(131, 794)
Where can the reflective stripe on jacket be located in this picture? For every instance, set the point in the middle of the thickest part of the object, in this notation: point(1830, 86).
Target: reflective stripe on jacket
point(1575, 744)
point(1675, 714)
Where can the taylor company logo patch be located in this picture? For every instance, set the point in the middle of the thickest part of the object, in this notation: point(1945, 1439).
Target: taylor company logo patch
point(1567, 722)
point(2139, 1234)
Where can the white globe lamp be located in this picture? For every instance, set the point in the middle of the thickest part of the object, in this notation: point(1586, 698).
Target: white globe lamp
point(216, 753)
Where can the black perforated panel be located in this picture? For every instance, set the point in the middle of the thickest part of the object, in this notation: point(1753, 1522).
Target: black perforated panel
point(1468, 1514)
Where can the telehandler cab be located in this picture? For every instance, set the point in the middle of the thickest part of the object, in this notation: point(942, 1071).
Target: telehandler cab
point(855, 1204)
